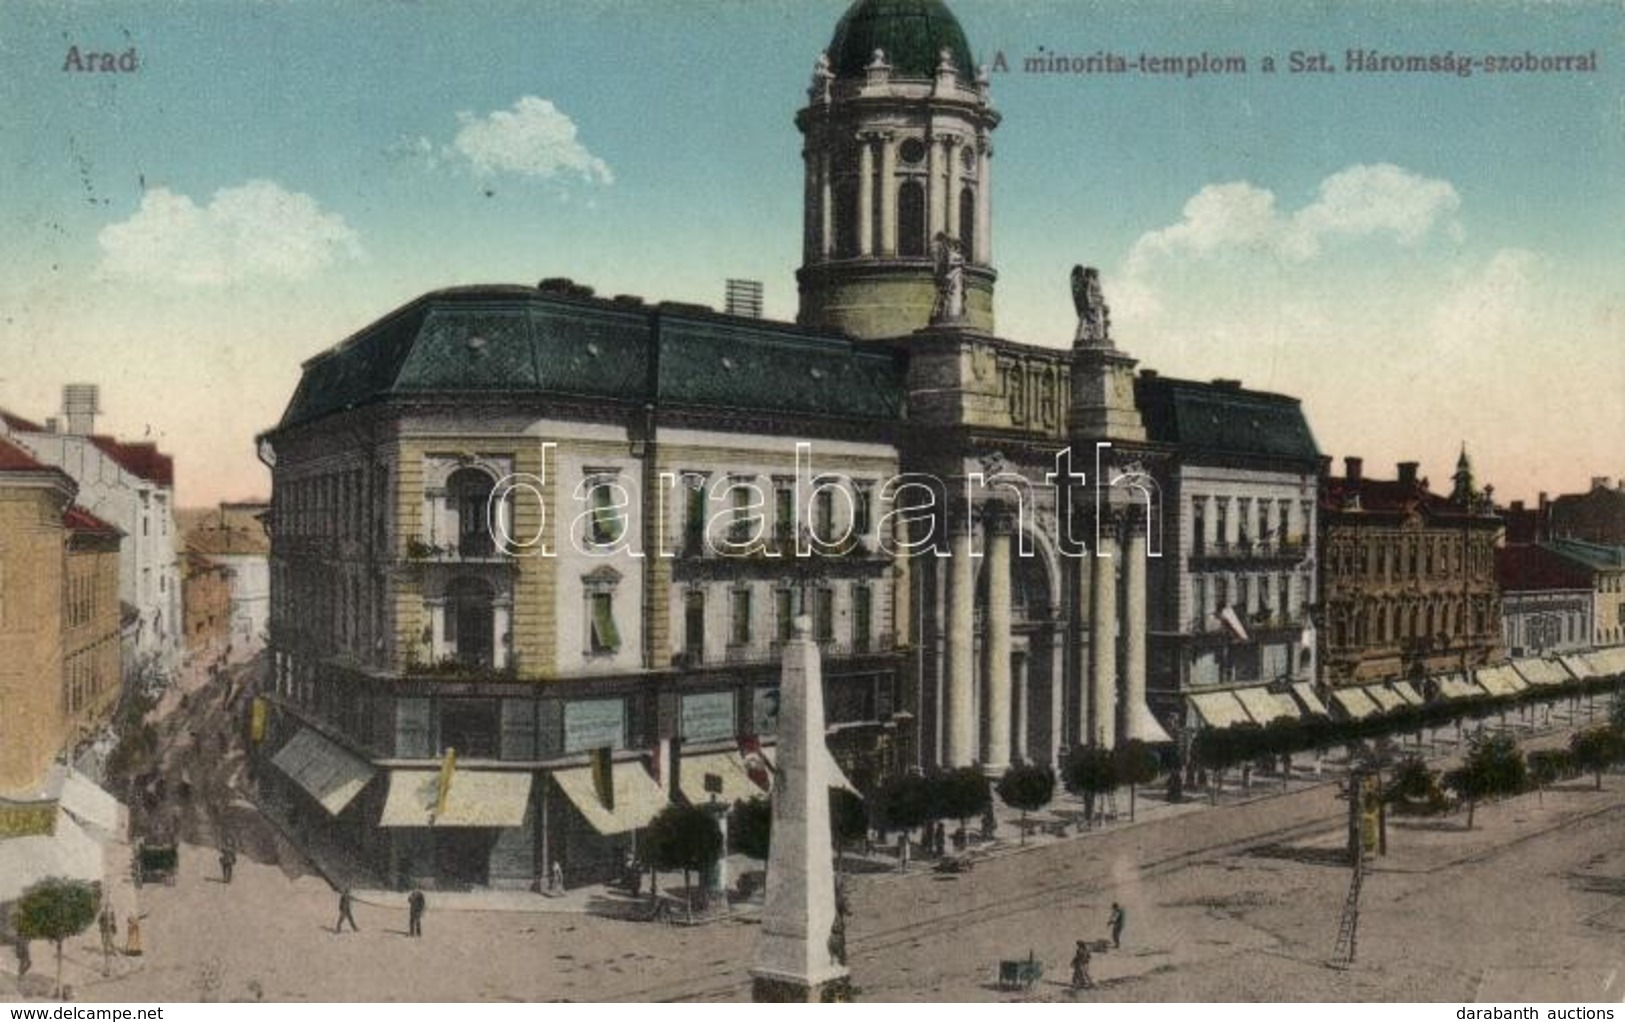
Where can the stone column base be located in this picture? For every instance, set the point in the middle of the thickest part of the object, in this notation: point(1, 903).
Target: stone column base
point(777, 990)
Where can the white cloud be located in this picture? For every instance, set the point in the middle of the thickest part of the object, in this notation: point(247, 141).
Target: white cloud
point(1359, 201)
point(257, 230)
point(533, 139)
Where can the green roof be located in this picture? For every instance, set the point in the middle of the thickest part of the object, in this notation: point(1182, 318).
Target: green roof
point(524, 341)
point(1222, 420)
point(912, 34)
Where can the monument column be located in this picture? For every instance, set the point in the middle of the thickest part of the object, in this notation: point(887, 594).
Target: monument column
point(960, 729)
point(1103, 642)
point(996, 642)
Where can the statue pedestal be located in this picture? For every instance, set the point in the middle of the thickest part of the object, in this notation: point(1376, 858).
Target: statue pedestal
point(770, 989)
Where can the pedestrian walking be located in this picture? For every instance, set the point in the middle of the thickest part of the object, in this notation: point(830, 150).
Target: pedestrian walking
point(939, 839)
point(107, 922)
point(415, 904)
point(228, 859)
point(1080, 968)
point(345, 915)
point(1116, 923)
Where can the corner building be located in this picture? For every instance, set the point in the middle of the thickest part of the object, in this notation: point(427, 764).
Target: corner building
point(565, 535)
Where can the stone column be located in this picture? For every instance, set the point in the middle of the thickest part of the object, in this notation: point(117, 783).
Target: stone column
point(1103, 644)
point(1138, 721)
point(984, 204)
point(959, 730)
point(1019, 667)
point(1082, 568)
point(933, 189)
point(996, 643)
point(826, 208)
point(888, 194)
point(951, 151)
point(866, 195)
point(793, 958)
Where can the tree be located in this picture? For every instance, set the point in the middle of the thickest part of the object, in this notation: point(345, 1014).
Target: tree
point(750, 826)
point(1088, 770)
point(1027, 788)
point(1413, 788)
point(1596, 749)
point(1494, 766)
point(963, 793)
point(685, 838)
point(1134, 764)
point(1547, 766)
point(55, 909)
point(1282, 737)
point(904, 803)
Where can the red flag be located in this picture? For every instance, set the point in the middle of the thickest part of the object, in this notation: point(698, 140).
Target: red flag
point(750, 749)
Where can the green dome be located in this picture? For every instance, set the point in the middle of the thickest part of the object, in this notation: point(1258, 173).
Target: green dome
point(911, 32)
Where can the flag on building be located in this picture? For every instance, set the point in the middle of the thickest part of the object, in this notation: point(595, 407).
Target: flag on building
point(448, 767)
point(1307, 639)
point(603, 776)
point(756, 765)
point(1227, 615)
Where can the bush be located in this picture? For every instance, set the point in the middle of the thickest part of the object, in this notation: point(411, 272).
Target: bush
point(55, 909)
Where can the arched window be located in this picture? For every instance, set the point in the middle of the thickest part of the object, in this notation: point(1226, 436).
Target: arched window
point(468, 491)
point(911, 219)
point(846, 218)
point(967, 222)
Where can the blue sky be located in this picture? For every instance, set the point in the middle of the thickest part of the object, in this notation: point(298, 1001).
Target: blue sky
point(1423, 258)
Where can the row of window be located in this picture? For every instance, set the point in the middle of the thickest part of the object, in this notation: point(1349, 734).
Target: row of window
point(1253, 596)
point(1242, 521)
point(85, 597)
point(744, 628)
point(1383, 621)
point(1391, 557)
point(332, 505)
point(84, 679)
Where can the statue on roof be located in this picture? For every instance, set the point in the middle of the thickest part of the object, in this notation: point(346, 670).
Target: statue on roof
point(945, 62)
point(1094, 316)
point(822, 77)
point(949, 256)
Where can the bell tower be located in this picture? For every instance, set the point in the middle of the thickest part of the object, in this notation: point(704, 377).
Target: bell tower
point(898, 152)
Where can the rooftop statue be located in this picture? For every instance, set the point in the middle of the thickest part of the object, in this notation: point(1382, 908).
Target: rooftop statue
point(1094, 315)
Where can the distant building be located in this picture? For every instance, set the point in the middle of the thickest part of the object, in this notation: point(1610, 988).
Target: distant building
point(1596, 516)
point(1547, 601)
point(59, 621)
point(231, 541)
point(130, 485)
point(1605, 567)
point(206, 605)
point(1408, 585)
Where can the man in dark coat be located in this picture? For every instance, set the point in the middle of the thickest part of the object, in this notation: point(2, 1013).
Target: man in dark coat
point(415, 904)
point(345, 916)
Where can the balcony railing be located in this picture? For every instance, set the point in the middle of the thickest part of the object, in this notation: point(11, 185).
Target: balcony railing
point(882, 644)
point(1252, 550)
point(470, 548)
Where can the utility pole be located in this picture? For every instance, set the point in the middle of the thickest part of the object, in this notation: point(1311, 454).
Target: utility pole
point(1348, 927)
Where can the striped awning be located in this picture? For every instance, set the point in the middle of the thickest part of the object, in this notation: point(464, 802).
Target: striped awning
point(729, 770)
point(1540, 671)
point(638, 797)
point(1354, 703)
point(1218, 709)
point(1264, 706)
point(476, 798)
point(327, 773)
point(1500, 680)
point(1454, 686)
point(1408, 692)
point(1305, 691)
point(1385, 697)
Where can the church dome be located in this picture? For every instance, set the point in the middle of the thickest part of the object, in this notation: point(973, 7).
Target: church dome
point(912, 33)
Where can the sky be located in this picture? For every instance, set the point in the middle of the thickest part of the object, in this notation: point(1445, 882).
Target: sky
point(1425, 258)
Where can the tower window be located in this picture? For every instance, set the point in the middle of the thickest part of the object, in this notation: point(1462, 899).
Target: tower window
point(911, 219)
point(967, 222)
point(846, 218)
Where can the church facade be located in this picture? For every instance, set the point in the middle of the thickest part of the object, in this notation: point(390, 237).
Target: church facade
point(534, 551)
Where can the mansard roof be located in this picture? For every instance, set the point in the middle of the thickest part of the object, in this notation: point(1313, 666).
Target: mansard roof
point(1221, 421)
point(559, 341)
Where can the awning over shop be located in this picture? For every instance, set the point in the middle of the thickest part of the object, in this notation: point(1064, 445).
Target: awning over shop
point(1408, 692)
point(1305, 691)
point(329, 774)
point(1219, 709)
point(729, 767)
point(1578, 666)
point(477, 798)
point(1454, 686)
point(1609, 661)
point(1540, 671)
point(67, 852)
point(88, 804)
point(1354, 702)
point(637, 797)
point(837, 776)
point(1500, 680)
point(1385, 697)
point(1264, 706)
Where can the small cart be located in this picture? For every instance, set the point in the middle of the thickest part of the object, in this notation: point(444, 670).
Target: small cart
point(1020, 973)
point(155, 863)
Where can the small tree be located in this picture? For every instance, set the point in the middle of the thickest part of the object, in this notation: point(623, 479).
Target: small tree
point(963, 793)
point(1596, 749)
point(1134, 764)
point(685, 838)
point(55, 909)
point(1494, 766)
point(1547, 766)
point(1088, 770)
point(750, 826)
point(904, 803)
point(1027, 788)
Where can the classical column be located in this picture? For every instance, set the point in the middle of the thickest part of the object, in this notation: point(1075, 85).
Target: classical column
point(1018, 679)
point(826, 208)
point(959, 728)
point(996, 642)
point(933, 188)
point(951, 150)
point(1082, 568)
point(866, 195)
point(501, 615)
point(984, 204)
point(1103, 644)
point(888, 194)
point(1138, 721)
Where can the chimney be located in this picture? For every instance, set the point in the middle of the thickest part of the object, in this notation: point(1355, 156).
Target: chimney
point(81, 404)
point(1544, 502)
point(1601, 483)
point(744, 298)
point(1517, 507)
point(1407, 472)
point(1351, 468)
